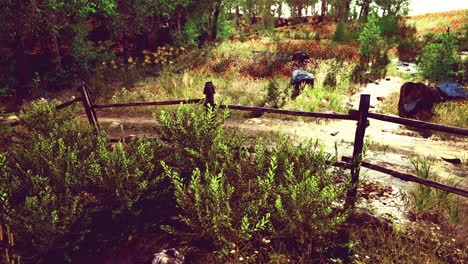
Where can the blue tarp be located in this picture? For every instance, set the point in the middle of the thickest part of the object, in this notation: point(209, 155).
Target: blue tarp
point(299, 76)
point(452, 90)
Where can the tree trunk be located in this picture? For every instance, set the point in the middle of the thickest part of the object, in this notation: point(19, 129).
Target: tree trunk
point(324, 8)
point(151, 33)
point(55, 52)
point(50, 46)
point(280, 10)
point(21, 90)
point(347, 9)
point(299, 9)
point(125, 43)
point(214, 27)
point(365, 10)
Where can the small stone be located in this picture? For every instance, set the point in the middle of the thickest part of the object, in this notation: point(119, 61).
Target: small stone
point(453, 161)
point(13, 118)
point(168, 256)
point(114, 124)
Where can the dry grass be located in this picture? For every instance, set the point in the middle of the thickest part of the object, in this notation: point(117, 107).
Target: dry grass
point(439, 22)
point(420, 243)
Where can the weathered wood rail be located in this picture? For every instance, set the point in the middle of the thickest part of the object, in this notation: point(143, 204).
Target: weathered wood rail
point(7, 243)
point(354, 163)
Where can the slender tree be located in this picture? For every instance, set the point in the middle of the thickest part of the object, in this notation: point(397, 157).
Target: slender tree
point(324, 9)
point(214, 27)
point(365, 10)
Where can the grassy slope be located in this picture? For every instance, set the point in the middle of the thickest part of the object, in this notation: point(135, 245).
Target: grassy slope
point(439, 22)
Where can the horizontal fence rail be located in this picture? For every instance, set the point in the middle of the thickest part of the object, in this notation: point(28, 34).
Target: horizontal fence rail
point(288, 112)
point(360, 115)
point(409, 177)
point(66, 104)
point(175, 102)
point(416, 123)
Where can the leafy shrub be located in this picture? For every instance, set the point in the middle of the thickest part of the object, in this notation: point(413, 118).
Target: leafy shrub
point(198, 136)
point(276, 97)
point(190, 33)
point(438, 59)
point(379, 68)
point(340, 32)
point(409, 49)
point(85, 56)
point(58, 174)
point(389, 26)
point(241, 201)
point(374, 58)
point(370, 41)
point(462, 70)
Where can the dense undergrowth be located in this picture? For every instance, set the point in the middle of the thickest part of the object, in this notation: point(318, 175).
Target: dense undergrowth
point(59, 181)
point(63, 188)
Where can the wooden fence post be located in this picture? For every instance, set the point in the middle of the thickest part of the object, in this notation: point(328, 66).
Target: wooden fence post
point(362, 123)
point(209, 92)
point(88, 105)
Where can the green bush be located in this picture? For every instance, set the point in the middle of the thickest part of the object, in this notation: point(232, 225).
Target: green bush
point(370, 41)
point(241, 201)
point(198, 136)
point(276, 96)
point(373, 50)
point(438, 59)
point(389, 26)
point(340, 32)
point(409, 49)
point(58, 174)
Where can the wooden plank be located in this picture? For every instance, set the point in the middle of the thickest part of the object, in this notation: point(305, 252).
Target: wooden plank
point(209, 92)
point(288, 112)
point(418, 124)
point(66, 104)
point(88, 108)
point(93, 111)
point(364, 105)
point(411, 178)
point(176, 102)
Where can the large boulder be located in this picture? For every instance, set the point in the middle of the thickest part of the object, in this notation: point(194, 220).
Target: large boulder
point(298, 79)
point(417, 99)
point(300, 57)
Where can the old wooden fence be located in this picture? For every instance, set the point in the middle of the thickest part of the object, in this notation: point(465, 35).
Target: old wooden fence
point(362, 116)
point(7, 243)
point(354, 163)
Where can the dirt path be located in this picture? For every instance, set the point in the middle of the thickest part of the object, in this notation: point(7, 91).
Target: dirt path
point(392, 144)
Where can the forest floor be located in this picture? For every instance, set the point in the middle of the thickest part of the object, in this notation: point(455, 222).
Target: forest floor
point(391, 146)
